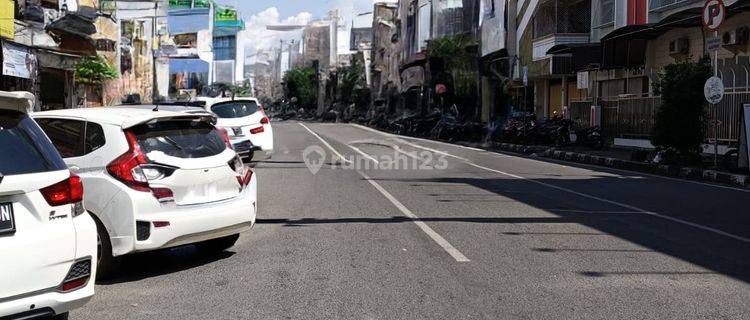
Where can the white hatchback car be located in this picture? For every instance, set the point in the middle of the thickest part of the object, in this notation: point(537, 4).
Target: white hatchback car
point(47, 241)
point(154, 179)
point(245, 121)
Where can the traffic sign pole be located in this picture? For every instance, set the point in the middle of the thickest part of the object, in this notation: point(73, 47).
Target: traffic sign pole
point(712, 16)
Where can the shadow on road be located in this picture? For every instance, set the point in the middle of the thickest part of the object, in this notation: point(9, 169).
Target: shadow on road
point(146, 265)
point(721, 211)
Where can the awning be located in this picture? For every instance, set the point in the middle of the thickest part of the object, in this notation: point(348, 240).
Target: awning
point(73, 31)
point(626, 47)
point(583, 56)
point(188, 66)
point(57, 60)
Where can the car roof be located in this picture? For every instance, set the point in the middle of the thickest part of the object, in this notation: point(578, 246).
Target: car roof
point(123, 116)
point(20, 101)
point(212, 101)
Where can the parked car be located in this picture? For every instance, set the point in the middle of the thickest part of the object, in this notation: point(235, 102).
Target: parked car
point(155, 179)
point(245, 121)
point(47, 240)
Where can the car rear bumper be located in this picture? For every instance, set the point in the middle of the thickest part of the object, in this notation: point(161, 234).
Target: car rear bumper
point(46, 300)
point(198, 223)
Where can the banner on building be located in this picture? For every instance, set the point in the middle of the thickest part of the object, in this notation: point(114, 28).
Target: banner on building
point(7, 22)
point(18, 61)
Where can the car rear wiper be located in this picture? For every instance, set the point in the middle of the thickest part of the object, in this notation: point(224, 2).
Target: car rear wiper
point(174, 143)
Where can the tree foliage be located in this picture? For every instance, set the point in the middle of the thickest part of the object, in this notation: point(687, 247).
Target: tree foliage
point(94, 70)
point(458, 62)
point(302, 83)
point(352, 83)
point(681, 119)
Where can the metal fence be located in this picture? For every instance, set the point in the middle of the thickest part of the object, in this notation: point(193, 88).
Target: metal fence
point(634, 118)
point(729, 112)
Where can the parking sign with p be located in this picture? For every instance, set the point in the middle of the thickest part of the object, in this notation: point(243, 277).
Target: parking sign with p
point(714, 13)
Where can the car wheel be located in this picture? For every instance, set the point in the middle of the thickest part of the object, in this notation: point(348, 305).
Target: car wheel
point(62, 316)
point(105, 262)
point(219, 244)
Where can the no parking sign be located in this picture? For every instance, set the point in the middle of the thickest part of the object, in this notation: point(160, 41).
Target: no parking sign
point(713, 15)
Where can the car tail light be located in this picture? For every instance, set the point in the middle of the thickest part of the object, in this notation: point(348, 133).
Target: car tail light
point(264, 120)
point(77, 277)
point(133, 170)
point(225, 137)
point(67, 191)
point(126, 167)
point(247, 177)
point(257, 130)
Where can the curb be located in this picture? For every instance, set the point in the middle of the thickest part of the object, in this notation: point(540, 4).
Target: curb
point(689, 173)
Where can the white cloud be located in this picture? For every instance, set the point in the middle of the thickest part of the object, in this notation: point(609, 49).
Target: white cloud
point(256, 37)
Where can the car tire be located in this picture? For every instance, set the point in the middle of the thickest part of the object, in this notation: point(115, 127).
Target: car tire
point(219, 244)
point(62, 316)
point(106, 263)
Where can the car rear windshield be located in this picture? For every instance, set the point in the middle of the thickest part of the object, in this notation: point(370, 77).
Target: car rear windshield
point(24, 148)
point(182, 139)
point(235, 109)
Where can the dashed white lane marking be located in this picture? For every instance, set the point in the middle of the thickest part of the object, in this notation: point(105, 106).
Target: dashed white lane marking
point(325, 143)
point(452, 251)
point(449, 248)
point(362, 153)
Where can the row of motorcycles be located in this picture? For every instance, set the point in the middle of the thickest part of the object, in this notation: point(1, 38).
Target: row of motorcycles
point(445, 126)
point(523, 128)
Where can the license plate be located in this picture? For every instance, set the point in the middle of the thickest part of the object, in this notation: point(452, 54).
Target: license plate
point(7, 222)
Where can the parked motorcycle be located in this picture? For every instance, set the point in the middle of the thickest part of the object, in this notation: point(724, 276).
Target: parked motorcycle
point(590, 136)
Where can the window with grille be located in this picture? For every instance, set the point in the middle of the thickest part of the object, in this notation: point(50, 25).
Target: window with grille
point(606, 12)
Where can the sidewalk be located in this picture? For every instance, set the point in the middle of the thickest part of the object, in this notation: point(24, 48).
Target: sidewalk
point(621, 159)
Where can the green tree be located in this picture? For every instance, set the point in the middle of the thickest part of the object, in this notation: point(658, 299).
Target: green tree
point(94, 70)
point(352, 82)
point(457, 60)
point(302, 83)
point(680, 121)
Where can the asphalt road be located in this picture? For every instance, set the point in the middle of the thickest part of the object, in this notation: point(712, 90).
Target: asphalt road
point(468, 234)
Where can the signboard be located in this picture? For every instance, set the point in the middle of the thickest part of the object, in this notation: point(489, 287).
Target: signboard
point(202, 4)
point(225, 14)
point(744, 152)
point(7, 22)
point(713, 43)
point(18, 61)
point(179, 3)
point(713, 14)
point(713, 90)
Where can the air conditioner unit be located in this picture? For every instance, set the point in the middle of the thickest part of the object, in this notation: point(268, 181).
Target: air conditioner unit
point(679, 47)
